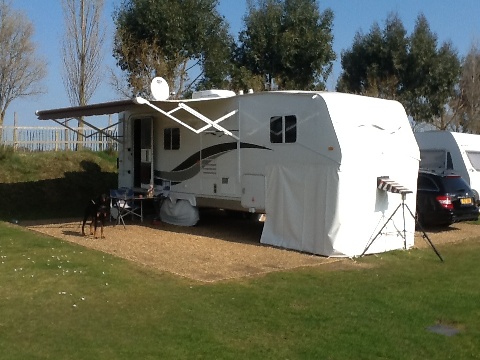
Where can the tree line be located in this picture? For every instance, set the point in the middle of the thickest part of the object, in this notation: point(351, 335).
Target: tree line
point(283, 44)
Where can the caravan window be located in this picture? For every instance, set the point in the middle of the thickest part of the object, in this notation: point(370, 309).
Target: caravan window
point(283, 129)
point(474, 157)
point(435, 160)
point(276, 129)
point(171, 139)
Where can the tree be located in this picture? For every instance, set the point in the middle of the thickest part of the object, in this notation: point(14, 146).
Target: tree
point(169, 37)
point(375, 64)
point(142, 62)
point(217, 61)
point(82, 50)
point(413, 70)
point(466, 105)
point(430, 75)
point(288, 43)
point(21, 70)
point(306, 45)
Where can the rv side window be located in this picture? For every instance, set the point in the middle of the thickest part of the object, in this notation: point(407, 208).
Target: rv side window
point(276, 128)
point(290, 129)
point(474, 157)
point(171, 139)
point(449, 161)
point(433, 159)
point(283, 129)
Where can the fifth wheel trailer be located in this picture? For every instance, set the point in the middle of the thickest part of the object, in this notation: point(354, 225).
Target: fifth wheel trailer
point(443, 151)
point(310, 161)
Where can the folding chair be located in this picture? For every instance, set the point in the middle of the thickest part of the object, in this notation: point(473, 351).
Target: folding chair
point(122, 203)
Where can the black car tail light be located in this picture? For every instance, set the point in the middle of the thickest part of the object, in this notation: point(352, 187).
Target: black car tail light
point(445, 201)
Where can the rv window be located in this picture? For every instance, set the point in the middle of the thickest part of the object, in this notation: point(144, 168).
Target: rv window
point(449, 161)
point(171, 139)
point(432, 159)
point(474, 157)
point(276, 129)
point(290, 129)
point(283, 129)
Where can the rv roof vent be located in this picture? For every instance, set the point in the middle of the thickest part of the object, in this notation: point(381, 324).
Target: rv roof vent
point(212, 94)
point(159, 88)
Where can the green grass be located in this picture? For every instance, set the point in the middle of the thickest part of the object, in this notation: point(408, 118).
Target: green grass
point(41, 185)
point(60, 300)
point(475, 222)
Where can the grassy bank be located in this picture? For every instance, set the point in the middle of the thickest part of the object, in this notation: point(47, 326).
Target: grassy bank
point(52, 184)
point(59, 300)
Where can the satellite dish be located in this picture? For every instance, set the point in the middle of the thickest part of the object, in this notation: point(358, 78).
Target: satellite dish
point(159, 89)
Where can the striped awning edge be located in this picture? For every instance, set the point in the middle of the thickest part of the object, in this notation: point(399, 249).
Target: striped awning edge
point(384, 183)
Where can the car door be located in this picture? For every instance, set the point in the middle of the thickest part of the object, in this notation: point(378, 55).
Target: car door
point(427, 191)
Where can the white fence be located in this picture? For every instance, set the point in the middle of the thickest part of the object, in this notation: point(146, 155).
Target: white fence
point(33, 138)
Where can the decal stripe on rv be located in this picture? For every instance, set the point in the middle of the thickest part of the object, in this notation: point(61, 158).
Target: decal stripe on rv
point(191, 166)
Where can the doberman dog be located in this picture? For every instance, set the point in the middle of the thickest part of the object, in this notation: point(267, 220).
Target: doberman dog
point(97, 211)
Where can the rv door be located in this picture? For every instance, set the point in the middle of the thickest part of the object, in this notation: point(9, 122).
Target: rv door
point(142, 153)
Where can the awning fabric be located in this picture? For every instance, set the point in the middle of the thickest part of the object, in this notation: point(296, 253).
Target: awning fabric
point(107, 108)
point(384, 183)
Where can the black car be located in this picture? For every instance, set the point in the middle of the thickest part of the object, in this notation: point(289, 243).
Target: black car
point(443, 199)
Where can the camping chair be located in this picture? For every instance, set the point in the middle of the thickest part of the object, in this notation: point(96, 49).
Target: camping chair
point(122, 203)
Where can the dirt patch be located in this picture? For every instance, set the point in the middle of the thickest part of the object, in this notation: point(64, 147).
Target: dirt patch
point(454, 233)
point(218, 248)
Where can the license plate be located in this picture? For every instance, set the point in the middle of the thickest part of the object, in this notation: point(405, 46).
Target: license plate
point(466, 201)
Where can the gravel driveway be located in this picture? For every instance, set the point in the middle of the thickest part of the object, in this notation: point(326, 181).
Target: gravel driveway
point(218, 248)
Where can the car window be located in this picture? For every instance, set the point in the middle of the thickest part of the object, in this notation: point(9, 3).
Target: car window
point(425, 183)
point(455, 184)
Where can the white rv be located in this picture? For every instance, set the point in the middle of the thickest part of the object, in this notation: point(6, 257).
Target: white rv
point(310, 161)
point(442, 151)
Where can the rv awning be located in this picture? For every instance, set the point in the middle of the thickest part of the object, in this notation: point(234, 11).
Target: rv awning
point(114, 107)
point(80, 112)
point(106, 108)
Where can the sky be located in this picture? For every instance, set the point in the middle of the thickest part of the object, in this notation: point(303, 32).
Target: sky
point(457, 21)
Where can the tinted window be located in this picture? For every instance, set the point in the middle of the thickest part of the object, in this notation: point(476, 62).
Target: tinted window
point(290, 129)
point(455, 184)
point(276, 129)
point(449, 161)
point(171, 139)
point(425, 183)
point(432, 159)
point(283, 129)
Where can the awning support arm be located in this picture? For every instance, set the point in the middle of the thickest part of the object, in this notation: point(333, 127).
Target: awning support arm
point(98, 130)
point(210, 123)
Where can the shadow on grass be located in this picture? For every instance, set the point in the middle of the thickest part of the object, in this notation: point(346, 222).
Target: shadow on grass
point(55, 198)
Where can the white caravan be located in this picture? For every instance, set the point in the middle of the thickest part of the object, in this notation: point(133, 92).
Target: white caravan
point(443, 151)
point(310, 161)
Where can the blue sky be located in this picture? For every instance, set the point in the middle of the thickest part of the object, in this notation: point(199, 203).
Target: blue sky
point(456, 21)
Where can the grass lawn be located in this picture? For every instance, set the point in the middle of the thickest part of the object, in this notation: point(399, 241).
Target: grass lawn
point(42, 185)
point(62, 301)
